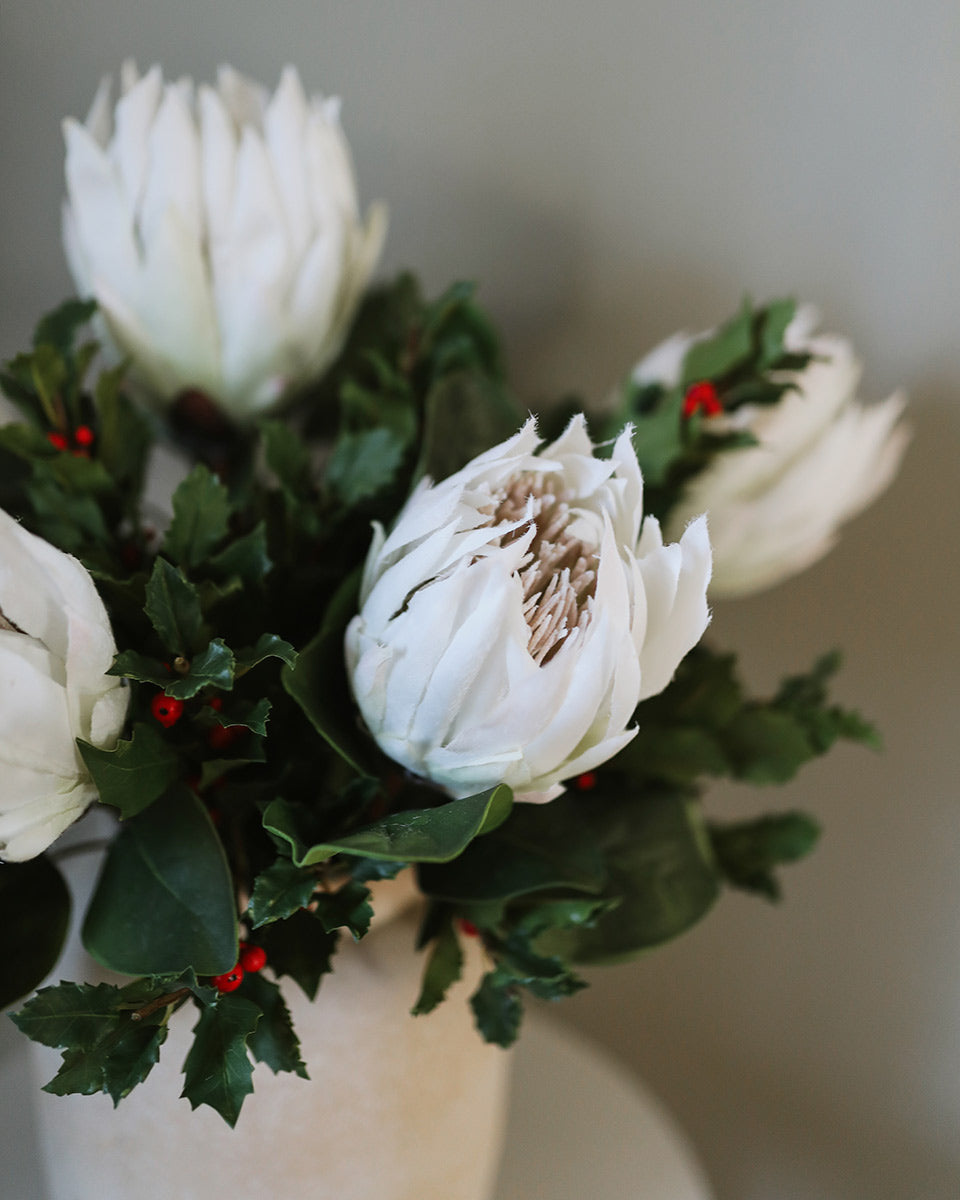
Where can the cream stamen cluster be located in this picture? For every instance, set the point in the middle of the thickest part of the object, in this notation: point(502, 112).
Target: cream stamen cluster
point(559, 573)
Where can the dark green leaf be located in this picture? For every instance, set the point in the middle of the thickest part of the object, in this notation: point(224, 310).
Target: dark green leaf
point(288, 458)
point(748, 851)
point(268, 645)
point(218, 1069)
point(318, 683)
point(776, 317)
point(348, 907)
point(720, 353)
point(245, 558)
point(444, 967)
point(212, 667)
point(252, 715)
point(301, 948)
point(658, 438)
point(766, 746)
point(36, 911)
point(279, 891)
point(59, 328)
point(465, 413)
point(273, 1041)
point(173, 607)
point(418, 835)
point(660, 871)
point(364, 463)
point(134, 774)
point(164, 900)
point(497, 1008)
point(201, 518)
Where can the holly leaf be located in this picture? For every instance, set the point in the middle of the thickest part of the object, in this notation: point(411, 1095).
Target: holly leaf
point(444, 967)
point(201, 518)
point(717, 355)
point(279, 891)
point(218, 1070)
point(349, 906)
point(274, 1041)
point(36, 912)
point(245, 558)
point(300, 947)
point(363, 463)
point(268, 645)
point(465, 413)
point(59, 328)
point(497, 1008)
point(135, 773)
point(173, 607)
point(164, 900)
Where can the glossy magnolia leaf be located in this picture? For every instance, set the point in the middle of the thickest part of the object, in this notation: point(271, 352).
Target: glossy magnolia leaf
point(274, 1041)
point(173, 606)
point(443, 969)
point(135, 773)
point(164, 900)
point(201, 518)
point(660, 871)
point(279, 891)
point(318, 683)
point(539, 847)
point(218, 1069)
point(419, 835)
point(36, 911)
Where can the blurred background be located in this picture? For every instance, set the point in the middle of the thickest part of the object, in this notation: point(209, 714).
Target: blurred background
point(611, 172)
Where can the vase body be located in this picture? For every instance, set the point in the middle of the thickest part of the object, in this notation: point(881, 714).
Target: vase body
point(396, 1107)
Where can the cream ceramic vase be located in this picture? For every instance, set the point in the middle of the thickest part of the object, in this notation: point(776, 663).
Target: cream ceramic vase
point(396, 1107)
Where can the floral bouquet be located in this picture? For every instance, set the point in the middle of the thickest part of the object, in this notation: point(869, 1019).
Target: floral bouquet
point(387, 621)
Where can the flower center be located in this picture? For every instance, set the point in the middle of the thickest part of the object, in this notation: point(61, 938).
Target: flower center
point(559, 573)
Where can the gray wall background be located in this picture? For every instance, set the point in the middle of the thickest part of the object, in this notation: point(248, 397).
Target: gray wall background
point(611, 172)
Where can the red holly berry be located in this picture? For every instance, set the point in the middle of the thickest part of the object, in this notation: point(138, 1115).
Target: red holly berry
point(702, 397)
point(166, 709)
point(57, 440)
point(216, 703)
point(252, 958)
point(229, 981)
point(222, 737)
point(585, 782)
point(468, 928)
point(83, 435)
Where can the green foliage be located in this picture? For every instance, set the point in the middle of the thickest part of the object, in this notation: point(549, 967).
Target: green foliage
point(110, 1036)
point(281, 890)
point(135, 773)
point(705, 724)
point(173, 606)
point(218, 1069)
point(273, 1041)
point(415, 835)
point(443, 969)
point(36, 910)
point(748, 851)
point(201, 516)
point(747, 362)
point(164, 900)
point(301, 948)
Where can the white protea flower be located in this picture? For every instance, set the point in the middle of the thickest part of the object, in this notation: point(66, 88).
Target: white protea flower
point(822, 457)
point(219, 231)
point(55, 647)
point(517, 613)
